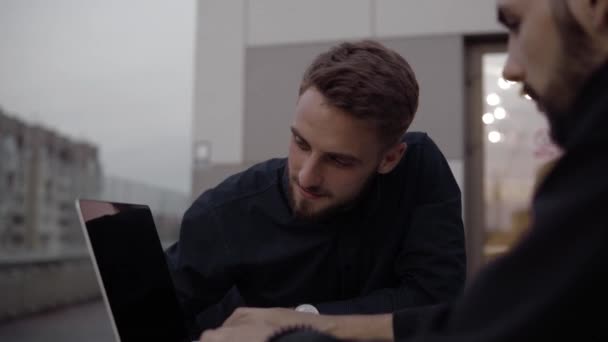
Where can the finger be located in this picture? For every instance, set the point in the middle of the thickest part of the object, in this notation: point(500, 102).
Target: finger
point(208, 336)
point(240, 316)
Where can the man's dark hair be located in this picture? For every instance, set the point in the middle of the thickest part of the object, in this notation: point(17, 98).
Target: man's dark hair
point(368, 81)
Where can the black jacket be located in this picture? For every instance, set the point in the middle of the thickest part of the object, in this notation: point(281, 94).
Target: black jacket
point(554, 284)
point(402, 245)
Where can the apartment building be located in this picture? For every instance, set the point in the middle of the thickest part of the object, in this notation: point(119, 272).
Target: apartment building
point(41, 173)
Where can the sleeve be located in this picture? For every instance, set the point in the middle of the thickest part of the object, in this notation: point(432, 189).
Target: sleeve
point(431, 264)
point(202, 267)
point(301, 334)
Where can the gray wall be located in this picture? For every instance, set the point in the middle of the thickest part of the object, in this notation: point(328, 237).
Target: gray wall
point(212, 175)
point(438, 64)
point(272, 77)
point(273, 73)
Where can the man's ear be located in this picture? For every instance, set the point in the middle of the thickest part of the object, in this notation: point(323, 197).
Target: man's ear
point(391, 158)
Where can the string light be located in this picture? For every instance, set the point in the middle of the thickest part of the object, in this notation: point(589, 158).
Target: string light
point(493, 99)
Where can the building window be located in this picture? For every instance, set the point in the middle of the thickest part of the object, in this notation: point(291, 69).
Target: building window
point(10, 179)
point(20, 141)
point(18, 219)
point(17, 239)
point(65, 156)
point(48, 189)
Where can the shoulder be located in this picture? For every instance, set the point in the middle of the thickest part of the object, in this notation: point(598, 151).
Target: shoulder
point(242, 186)
point(421, 150)
point(416, 138)
point(424, 168)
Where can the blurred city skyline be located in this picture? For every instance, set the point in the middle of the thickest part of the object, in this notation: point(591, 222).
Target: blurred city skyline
point(115, 74)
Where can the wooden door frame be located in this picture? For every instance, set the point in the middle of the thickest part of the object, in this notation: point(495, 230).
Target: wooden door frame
point(474, 213)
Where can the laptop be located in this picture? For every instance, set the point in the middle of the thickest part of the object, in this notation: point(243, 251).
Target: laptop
point(132, 271)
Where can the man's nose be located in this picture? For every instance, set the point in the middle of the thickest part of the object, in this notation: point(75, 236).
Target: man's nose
point(513, 70)
point(310, 176)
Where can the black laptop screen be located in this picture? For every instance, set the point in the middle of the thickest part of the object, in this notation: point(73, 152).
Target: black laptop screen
point(134, 272)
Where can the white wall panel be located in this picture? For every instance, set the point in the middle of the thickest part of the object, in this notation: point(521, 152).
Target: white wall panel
point(296, 21)
point(426, 17)
point(218, 89)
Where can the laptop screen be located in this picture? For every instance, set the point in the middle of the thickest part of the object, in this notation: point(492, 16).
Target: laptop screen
point(134, 273)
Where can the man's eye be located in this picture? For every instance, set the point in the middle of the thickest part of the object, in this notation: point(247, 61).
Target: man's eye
point(341, 162)
point(513, 25)
point(301, 144)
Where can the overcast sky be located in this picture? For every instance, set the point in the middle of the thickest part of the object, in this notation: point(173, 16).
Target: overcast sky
point(117, 73)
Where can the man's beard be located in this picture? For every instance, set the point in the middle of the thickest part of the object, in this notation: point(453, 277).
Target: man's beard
point(304, 209)
point(570, 73)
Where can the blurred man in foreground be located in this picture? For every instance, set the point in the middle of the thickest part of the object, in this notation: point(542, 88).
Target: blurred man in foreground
point(550, 286)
